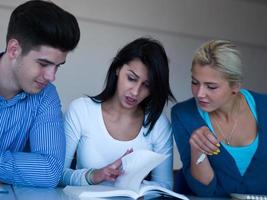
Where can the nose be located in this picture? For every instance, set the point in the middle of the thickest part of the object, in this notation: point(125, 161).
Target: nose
point(50, 73)
point(136, 89)
point(201, 92)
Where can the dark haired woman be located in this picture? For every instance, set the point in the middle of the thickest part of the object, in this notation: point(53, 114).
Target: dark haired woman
point(127, 114)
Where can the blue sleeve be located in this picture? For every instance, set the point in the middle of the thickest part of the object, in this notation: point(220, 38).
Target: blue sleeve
point(43, 165)
point(182, 136)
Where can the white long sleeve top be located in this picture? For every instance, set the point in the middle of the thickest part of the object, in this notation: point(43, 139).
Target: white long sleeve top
point(87, 135)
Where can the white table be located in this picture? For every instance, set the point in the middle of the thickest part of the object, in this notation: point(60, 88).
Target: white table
point(7, 195)
point(32, 193)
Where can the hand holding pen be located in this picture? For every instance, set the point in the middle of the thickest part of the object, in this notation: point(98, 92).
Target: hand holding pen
point(107, 173)
point(206, 143)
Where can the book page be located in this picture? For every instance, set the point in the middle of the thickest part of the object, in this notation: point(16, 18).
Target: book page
point(156, 189)
point(98, 191)
point(136, 166)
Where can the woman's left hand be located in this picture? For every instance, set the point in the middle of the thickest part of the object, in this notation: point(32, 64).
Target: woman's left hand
point(110, 172)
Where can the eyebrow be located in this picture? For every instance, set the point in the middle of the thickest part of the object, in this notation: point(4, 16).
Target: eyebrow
point(49, 62)
point(147, 81)
point(208, 83)
point(133, 73)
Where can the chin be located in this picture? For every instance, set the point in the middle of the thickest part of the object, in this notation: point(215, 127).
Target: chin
point(33, 90)
point(130, 106)
point(206, 109)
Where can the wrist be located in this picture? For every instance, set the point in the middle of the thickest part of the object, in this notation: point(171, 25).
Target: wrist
point(89, 176)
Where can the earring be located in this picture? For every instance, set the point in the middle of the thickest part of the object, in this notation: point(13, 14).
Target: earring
point(234, 93)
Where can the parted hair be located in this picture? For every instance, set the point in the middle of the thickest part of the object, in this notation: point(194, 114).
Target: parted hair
point(223, 56)
point(152, 54)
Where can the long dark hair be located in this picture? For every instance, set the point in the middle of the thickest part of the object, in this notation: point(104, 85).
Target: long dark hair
point(152, 54)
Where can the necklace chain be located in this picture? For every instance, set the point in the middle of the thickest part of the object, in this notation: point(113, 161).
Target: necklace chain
point(227, 139)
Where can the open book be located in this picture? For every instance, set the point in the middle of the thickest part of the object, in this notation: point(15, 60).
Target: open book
point(136, 166)
point(94, 191)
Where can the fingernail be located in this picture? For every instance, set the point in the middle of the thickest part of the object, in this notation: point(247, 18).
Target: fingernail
point(216, 152)
point(218, 145)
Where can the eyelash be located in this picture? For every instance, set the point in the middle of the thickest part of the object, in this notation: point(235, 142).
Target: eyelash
point(212, 87)
point(194, 82)
point(43, 64)
point(208, 86)
point(131, 78)
point(46, 65)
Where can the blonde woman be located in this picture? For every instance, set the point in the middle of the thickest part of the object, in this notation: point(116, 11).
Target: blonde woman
point(221, 132)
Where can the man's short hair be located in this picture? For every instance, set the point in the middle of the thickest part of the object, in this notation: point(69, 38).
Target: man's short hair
point(37, 23)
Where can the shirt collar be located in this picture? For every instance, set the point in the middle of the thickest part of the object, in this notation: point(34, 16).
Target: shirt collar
point(10, 102)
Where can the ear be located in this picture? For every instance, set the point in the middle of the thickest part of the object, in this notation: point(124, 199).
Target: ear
point(118, 71)
point(13, 48)
point(236, 88)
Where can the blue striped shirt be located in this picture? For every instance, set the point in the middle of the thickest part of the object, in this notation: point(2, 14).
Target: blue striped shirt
point(36, 120)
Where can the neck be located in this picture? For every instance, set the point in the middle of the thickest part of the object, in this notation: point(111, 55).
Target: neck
point(226, 120)
point(228, 111)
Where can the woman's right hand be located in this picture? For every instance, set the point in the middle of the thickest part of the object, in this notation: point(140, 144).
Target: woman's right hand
point(110, 172)
point(202, 140)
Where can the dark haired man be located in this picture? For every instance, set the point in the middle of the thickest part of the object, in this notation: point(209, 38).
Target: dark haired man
point(40, 35)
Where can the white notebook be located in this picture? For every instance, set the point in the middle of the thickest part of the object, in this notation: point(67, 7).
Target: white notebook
point(248, 196)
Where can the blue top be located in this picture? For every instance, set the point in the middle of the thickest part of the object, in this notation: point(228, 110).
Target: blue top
point(227, 178)
point(241, 155)
point(35, 120)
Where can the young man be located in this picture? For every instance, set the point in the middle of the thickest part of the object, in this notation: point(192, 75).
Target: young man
point(40, 35)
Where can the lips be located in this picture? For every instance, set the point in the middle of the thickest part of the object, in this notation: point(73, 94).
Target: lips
point(203, 103)
point(41, 84)
point(130, 101)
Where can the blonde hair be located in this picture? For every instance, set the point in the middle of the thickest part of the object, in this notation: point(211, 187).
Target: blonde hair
point(223, 56)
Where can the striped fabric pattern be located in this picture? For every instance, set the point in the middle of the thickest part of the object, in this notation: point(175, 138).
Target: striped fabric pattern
point(35, 120)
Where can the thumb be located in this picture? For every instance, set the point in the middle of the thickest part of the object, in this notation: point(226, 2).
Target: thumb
point(116, 164)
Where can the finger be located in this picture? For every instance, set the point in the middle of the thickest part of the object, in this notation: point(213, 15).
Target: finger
point(195, 145)
point(204, 128)
point(206, 145)
point(213, 140)
point(213, 143)
point(196, 142)
point(116, 164)
point(202, 139)
point(112, 174)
